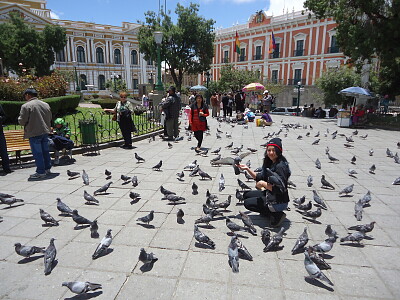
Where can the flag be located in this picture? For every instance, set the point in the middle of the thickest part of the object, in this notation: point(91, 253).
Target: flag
point(272, 45)
point(237, 44)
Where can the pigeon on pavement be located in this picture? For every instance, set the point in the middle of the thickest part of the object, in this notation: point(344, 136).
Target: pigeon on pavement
point(204, 219)
point(275, 240)
point(63, 208)
point(79, 220)
point(306, 206)
point(81, 287)
point(356, 236)
point(103, 189)
point(147, 219)
point(10, 201)
point(243, 252)
point(125, 178)
point(331, 158)
point(325, 183)
point(107, 173)
point(242, 185)
point(330, 232)
point(233, 255)
point(89, 198)
point(202, 238)
point(265, 236)
point(180, 176)
point(325, 246)
point(49, 257)
point(85, 177)
point(72, 174)
point(147, 258)
point(371, 152)
point(312, 269)
point(318, 259)
point(366, 199)
point(191, 166)
point(318, 199)
point(195, 189)
point(358, 210)
point(166, 192)
point(396, 181)
point(364, 228)
point(299, 201)
point(309, 181)
point(317, 164)
point(312, 214)
point(28, 251)
point(347, 190)
point(179, 216)
point(226, 203)
point(134, 181)
point(138, 158)
point(204, 175)
point(248, 223)
point(301, 242)
point(352, 172)
point(93, 230)
point(221, 185)
point(233, 226)
point(103, 246)
point(47, 218)
point(158, 166)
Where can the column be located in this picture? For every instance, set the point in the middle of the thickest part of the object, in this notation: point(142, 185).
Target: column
point(128, 74)
point(68, 46)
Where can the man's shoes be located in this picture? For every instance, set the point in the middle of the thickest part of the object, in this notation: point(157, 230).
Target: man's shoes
point(277, 219)
point(37, 176)
point(128, 147)
point(48, 172)
point(7, 171)
point(57, 161)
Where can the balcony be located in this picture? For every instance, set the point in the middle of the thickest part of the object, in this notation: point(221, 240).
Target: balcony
point(225, 60)
point(298, 52)
point(334, 49)
point(294, 81)
point(274, 55)
point(275, 81)
point(242, 58)
point(257, 57)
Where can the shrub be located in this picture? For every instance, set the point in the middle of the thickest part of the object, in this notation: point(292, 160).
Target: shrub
point(106, 103)
point(95, 96)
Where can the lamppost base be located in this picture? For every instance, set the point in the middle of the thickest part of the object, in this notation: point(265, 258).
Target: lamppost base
point(159, 87)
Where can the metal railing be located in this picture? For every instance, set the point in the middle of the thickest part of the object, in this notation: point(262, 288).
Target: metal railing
point(257, 57)
point(295, 81)
point(298, 52)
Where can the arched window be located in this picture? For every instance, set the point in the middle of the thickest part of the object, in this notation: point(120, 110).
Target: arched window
point(102, 82)
point(117, 56)
point(80, 54)
point(99, 55)
point(83, 82)
point(134, 57)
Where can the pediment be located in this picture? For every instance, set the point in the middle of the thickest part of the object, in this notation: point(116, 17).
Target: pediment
point(26, 14)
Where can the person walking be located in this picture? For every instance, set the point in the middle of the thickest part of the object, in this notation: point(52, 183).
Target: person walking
point(35, 116)
point(171, 108)
point(214, 104)
point(267, 101)
point(123, 112)
point(225, 101)
point(5, 161)
point(197, 119)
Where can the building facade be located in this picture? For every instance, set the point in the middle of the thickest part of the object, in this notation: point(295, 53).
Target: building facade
point(304, 48)
point(95, 53)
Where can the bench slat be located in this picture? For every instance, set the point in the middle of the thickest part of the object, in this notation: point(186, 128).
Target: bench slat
point(15, 140)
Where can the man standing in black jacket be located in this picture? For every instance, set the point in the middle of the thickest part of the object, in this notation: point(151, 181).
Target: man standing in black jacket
point(171, 108)
point(225, 101)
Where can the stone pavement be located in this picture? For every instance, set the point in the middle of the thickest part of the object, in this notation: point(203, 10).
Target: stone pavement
point(185, 271)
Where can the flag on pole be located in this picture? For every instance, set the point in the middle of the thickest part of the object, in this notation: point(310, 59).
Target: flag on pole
point(272, 45)
point(237, 44)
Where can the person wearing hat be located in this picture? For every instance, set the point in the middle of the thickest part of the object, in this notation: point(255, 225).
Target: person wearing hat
point(60, 139)
point(35, 115)
point(171, 108)
point(267, 101)
point(270, 199)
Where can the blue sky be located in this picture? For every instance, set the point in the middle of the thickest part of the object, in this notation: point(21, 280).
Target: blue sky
point(112, 12)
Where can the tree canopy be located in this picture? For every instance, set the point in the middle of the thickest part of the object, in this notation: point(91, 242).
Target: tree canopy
point(367, 30)
point(234, 79)
point(22, 47)
point(187, 46)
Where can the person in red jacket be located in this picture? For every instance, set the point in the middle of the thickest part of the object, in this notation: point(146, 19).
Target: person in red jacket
point(198, 120)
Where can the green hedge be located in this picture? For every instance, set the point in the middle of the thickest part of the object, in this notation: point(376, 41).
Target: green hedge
point(58, 105)
point(105, 103)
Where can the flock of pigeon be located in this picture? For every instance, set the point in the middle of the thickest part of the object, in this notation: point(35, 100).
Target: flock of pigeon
point(213, 209)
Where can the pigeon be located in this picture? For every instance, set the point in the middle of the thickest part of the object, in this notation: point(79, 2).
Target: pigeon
point(158, 166)
point(325, 183)
point(147, 258)
point(194, 171)
point(364, 136)
point(248, 176)
point(28, 251)
point(355, 132)
point(47, 218)
point(226, 203)
point(308, 134)
point(301, 242)
point(243, 252)
point(372, 169)
point(63, 208)
point(216, 151)
point(396, 181)
point(389, 153)
point(275, 179)
point(204, 175)
point(180, 176)
point(147, 219)
point(204, 219)
point(229, 146)
point(169, 145)
point(166, 192)
point(330, 232)
point(299, 201)
point(212, 211)
point(195, 189)
point(242, 185)
point(107, 173)
point(233, 255)
point(49, 257)
point(134, 196)
point(72, 174)
point(353, 160)
point(326, 150)
point(349, 139)
point(138, 158)
point(125, 178)
point(218, 157)
point(315, 142)
point(252, 150)
point(204, 152)
point(79, 220)
point(275, 240)
point(134, 181)
point(103, 189)
point(202, 238)
point(318, 164)
point(318, 199)
point(348, 145)
point(299, 137)
point(80, 287)
point(331, 158)
point(352, 172)
point(312, 269)
point(265, 236)
point(366, 199)
point(307, 206)
point(309, 181)
point(218, 135)
point(221, 185)
point(174, 198)
point(312, 214)
point(103, 246)
point(358, 210)
point(210, 196)
point(239, 196)
point(325, 246)
point(10, 201)
point(248, 223)
point(317, 135)
point(85, 177)
point(318, 259)
point(356, 236)
point(179, 216)
point(347, 190)
point(233, 226)
point(364, 228)
point(93, 230)
point(371, 152)
point(89, 198)
point(228, 135)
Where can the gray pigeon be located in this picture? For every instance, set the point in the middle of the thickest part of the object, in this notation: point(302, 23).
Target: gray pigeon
point(357, 236)
point(358, 210)
point(330, 232)
point(204, 219)
point(27, 251)
point(85, 177)
point(93, 230)
point(366, 199)
point(309, 181)
point(221, 186)
point(352, 172)
point(72, 174)
point(318, 259)
point(166, 192)
point(216, 151)
point(233, 255)
point(306, 206)
point(325, 246)
point(194, 171)
point(191, 166)
point(174, 198)
point(47, 218)
point(312, 269)
point(134, 196)
point(195, 189)
point(103, 189)
point(301, 242)
point(107, 173)
point(204, 175)
point(79, 220)
point(248, 223)
point(275, 240)
point(242, 185)
point(347, 190)
point(389, 153)
point(103, 246)
point(180, 176)
point(353, 160)
point(179, 216)
point(317, 164)
point(312, 214)
point(318, 199)
point(233, 226)
point(275, 179)
point(158, 166)
point(325, 183)
point(202, 238)
point(226, 203)
point(134, 181)
point(265, 236)
point(125, 178)
point(331, 158)
point(396, 181)
point(138, 158)
point(243, 252)
point(63, 208)
point(49, 257)
point(10, 201)
point(147, 258)
point(364, 228)
point(80, 287)
point(89, 198)
point(147, 219)
point(299, 201)
point(371, 152)
point(316, 142)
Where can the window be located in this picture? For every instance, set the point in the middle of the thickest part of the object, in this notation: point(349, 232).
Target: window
point(294, 103)
point(134, 57)
point(225, 59)
point(80, 54)
point(274, 76)
point(99, 55)
point(83, 82)
point(242, 56)
point(117, 56)
point(150, 62)
point(275, 54)
point(102, 82)
point(135, 82)
point(299, 48)
point(60, 55)
point(297, 76)
point(258, 55)
point(334, 47)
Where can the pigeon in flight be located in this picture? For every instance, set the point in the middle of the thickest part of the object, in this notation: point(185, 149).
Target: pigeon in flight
point(81, 287)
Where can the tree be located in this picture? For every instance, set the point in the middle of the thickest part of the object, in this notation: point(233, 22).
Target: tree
point(334, 80)
point(234, 79)
point(367, 30)
point(23, 48)
point(187, 46)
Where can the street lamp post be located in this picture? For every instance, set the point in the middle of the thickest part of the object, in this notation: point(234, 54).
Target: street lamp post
point(114, 77)
point(77, 88)
point(298, 97)
point(208, 76)
point(158, 36)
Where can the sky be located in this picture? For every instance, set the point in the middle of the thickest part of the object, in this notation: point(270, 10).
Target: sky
point(113, 12)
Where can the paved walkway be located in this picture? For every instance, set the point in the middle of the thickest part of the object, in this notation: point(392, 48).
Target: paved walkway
point(185, 271)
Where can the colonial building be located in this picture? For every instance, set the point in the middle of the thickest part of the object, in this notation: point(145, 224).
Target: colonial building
point(95, 53)
point(304, 48)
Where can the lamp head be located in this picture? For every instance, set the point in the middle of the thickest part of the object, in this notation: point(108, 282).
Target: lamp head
point(158, 36)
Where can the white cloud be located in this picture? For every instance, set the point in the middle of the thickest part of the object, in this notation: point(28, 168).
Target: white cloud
point(53, 15)
point(243, 1)
point(279, 7)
